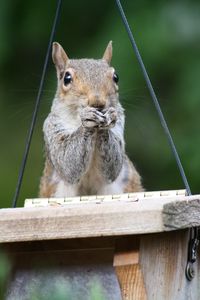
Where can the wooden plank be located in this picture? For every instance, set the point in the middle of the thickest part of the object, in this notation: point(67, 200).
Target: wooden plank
point(126, 258)
point(163, 258)
point(112, 218)
point(181, 214)
point(59, 245)
point(131, 282)
point(128, 269)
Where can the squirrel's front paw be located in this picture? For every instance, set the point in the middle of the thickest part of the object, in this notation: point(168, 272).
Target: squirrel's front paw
point(91, 117)
point(110, 118)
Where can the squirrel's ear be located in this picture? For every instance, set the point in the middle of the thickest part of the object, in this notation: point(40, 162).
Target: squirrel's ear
point(108, 53)
point(59, 57)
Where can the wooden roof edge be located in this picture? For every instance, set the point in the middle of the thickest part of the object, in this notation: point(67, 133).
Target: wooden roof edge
point(91, 219)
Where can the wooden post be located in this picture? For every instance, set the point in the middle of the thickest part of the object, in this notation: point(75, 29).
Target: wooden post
point(163, 261)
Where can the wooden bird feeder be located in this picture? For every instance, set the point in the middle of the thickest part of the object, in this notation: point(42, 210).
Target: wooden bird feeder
point(135, 245)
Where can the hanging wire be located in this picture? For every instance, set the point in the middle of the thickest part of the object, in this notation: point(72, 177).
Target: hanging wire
point(154, 98)
point(37, 104)
point(193, 231)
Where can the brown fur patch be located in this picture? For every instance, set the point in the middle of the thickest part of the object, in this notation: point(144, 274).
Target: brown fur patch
point(134, 182)
point(47, 187)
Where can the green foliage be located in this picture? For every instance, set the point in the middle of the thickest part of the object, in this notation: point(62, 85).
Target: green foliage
point(168, 35)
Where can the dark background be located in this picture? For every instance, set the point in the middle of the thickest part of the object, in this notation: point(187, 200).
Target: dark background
point(168, 36)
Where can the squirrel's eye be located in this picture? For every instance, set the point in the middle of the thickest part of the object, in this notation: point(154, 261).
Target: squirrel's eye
point(115, 78)
point(67, 78)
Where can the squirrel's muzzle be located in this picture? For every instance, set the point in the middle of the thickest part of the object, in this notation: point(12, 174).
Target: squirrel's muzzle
point(96, 101)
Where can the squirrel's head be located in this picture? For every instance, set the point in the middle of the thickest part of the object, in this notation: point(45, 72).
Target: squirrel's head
point(86, 82)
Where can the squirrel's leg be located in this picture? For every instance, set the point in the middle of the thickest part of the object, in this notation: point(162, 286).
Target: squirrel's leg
point(69, 153)
point(110, 152)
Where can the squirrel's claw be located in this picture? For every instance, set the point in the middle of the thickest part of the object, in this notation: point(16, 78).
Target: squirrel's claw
point(92, 117)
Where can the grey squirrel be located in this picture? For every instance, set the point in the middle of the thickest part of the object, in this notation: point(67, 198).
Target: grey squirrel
point(84, 132)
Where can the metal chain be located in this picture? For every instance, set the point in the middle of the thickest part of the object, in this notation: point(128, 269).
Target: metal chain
point(192, 252)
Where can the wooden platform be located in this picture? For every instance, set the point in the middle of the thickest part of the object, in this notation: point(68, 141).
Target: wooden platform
point(45, 219)
point(142, 238)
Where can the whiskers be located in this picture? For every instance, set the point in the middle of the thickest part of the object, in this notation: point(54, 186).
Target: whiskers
point(138, 109)
point(133, 99)
point(22, 102)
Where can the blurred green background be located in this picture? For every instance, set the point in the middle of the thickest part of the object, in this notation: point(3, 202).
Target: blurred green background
point(168, 36)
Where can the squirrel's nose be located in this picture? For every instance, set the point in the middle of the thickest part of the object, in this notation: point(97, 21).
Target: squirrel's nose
point(96, 101)
point(99, 106)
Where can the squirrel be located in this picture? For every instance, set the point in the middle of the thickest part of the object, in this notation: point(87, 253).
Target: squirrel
point(84, 132)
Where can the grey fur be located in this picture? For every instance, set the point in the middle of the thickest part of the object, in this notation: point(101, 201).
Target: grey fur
point(109, 148)
point(70, 154)
point(84, 132)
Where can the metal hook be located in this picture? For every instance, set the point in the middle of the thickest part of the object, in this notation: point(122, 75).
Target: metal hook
point(192, 253)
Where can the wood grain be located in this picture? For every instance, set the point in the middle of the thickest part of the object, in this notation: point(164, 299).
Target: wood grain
point(163, 258)
point(126, 258)
point(131, 282)
point(112, 218)
point(181, 214)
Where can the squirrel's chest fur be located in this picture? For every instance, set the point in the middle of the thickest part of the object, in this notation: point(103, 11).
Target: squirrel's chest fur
point(91, 182)
point(80, 162)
